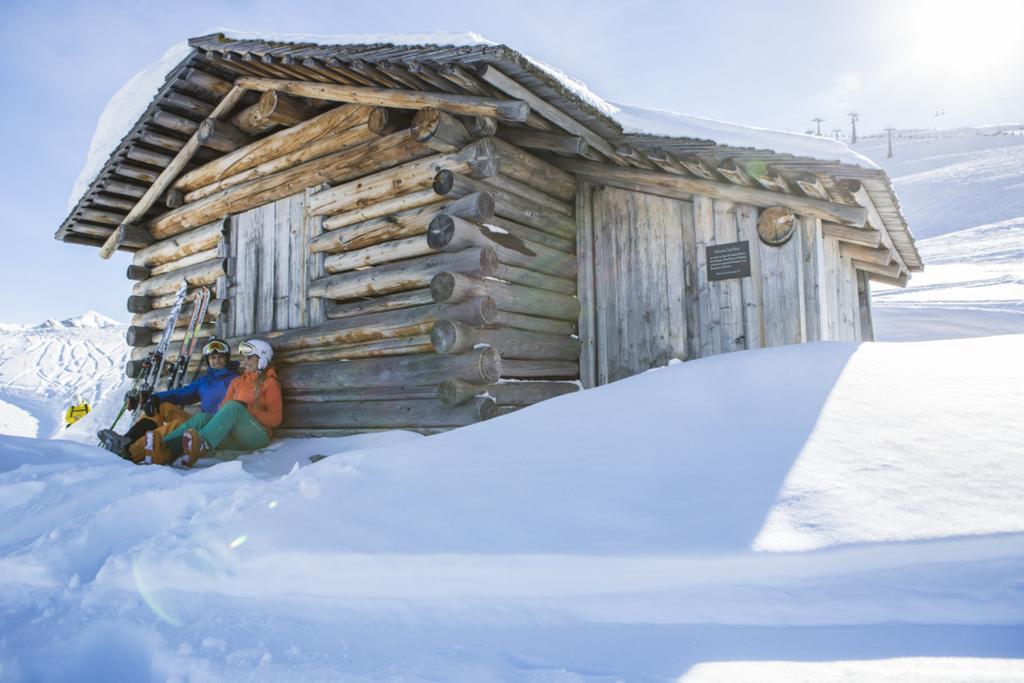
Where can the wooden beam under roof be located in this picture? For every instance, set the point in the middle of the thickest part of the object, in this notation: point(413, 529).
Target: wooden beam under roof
point(470, 105)
point(655, 180)
point(127, 229)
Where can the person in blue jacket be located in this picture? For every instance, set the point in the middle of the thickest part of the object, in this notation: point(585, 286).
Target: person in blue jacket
point(164, 409)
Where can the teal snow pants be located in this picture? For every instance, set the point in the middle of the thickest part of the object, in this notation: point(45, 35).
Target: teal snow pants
point(232, 428)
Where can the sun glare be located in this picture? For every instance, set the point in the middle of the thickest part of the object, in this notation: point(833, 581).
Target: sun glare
point(961, 39)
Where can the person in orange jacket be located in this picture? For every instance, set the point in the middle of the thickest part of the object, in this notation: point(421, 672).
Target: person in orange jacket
point(251, 408)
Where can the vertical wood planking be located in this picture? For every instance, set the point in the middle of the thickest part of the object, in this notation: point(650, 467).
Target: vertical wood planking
point(851, 309)
point(298, 253)
point(585, 283)
point(831, 294)
point(753, 311)
point(691, 280)
point(675, 278)
point(245, 283)
point(867, 325)
point(729, 292)
point(814, 308)
point(265, 268)
point(282, 261)
point(604, 286)
point(708, 338)
point(316, 309)
point(782, 289)
point(223, 327)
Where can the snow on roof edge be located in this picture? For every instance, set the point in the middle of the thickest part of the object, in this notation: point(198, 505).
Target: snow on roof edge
point(659, 122)
point(129, 103)
point(121, 112)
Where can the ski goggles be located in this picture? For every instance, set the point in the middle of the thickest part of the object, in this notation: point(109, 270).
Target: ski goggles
point(216, 346)
point(247, 349)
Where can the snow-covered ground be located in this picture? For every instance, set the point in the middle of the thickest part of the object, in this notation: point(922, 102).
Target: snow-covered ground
point(43, 368)
point(812, 506)
point(822, 512)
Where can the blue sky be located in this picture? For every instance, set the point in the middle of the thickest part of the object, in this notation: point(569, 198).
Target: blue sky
point(773, 65)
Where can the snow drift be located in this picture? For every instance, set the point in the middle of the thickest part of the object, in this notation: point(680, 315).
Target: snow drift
point(635, 531)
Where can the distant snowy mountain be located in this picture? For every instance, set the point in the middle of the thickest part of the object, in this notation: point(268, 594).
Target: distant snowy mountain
point(44, 368)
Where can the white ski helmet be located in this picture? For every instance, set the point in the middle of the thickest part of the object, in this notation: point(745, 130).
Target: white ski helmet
point(258, 348)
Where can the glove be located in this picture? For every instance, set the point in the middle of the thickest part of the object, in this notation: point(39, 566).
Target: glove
point(131, 402)
point(152, 406)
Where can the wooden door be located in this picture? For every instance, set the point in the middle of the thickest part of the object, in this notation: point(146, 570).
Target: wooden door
point(639, 288)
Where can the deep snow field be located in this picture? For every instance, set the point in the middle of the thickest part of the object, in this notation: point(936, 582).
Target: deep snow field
point(839, 510)
point(827, 512)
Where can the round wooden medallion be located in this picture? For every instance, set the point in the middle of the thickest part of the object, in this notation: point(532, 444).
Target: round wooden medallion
point(775, 225)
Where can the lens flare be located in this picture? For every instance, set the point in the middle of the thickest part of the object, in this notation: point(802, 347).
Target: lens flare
point(150, 595)
point(238, 541)
point(272, 504)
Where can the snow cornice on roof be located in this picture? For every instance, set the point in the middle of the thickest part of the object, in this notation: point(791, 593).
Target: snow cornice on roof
point(630, 135)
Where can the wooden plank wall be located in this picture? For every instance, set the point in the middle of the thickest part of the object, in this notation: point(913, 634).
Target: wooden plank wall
point(646, 297)
point(273, 267)
point(638, 273)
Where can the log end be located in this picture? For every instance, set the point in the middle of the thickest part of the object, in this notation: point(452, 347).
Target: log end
point(448, 336)
point(138, 273)
point(134, 368)
point(442, 286)
point(485, 161)
point(425, 124)
point(444, 181)
point(487, 409)
point(441, 231)
point(489, 365)
point(139, 304)
point(138, 336)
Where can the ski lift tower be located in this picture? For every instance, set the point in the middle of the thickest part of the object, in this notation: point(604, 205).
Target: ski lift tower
point(854, 116)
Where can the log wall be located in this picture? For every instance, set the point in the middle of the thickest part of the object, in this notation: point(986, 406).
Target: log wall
point(382, 265)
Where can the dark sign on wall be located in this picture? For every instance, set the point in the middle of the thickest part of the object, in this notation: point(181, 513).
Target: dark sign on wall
point(728, 261)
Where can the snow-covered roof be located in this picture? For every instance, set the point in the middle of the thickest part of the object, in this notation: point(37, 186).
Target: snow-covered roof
point(638, 127)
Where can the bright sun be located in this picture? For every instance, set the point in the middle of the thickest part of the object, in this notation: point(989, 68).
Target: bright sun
point(964, 38)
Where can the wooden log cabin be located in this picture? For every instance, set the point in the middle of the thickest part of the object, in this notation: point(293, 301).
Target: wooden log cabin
point(431, 235)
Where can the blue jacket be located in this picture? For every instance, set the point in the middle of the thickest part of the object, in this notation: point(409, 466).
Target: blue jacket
point(209, 389)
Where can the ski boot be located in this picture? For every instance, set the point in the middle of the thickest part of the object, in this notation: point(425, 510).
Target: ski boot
point(115, 443)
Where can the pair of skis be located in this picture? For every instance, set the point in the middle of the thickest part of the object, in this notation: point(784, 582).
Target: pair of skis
point(153, 365)
point(200, 304)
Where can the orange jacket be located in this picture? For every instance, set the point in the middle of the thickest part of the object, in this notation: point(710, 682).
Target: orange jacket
point(266, 407)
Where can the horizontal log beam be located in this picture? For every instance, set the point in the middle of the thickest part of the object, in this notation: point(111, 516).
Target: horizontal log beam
point(866, 237)
point(559, 143)
point(654, 181)
point(388, 302)
point(450, 287)
point(478, 159)
point(404, 275)
point(406, 322)
point(391, 415)
point(504, 110)
point(452, 336)
point(881, 257)
point(452, 234)
point(481, 366)
point(301, 136)
point(453, 392)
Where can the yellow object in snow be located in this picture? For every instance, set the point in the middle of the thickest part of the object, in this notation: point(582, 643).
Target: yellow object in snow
point(75, 413)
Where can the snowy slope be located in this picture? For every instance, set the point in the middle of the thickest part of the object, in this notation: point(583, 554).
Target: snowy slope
point(44, 367)
point(814, 506)
point(963, 191)
point(952, 180)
